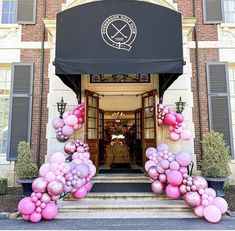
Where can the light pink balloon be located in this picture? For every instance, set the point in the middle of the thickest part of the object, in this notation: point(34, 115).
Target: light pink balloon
point(185, 135)
point(152, 172)
point(199, 211)
point(183, 189)
point(72, 120)
point(39, 185)
point(86, 155)
point(210, 192)
point(149, 164)
point(160, 170)
point(162, 178)
point(212, 213)
point(50, 176)
point(157, 187)
point(171, 128)
point(58, 157)
point(174, 165)
point(80, 193)
point(183, 170)
point(50, 212)
point(46, 198)
point(193, 199)
point(26, 206)
point(55, 188)
point(173, 192)
point(162, 147)
point(178, 130)
point(67, 130)
point(35, 217)
point(183, 158)
point(221, 203)
point(170, 119)
point(165, 164)
point(174, 136)
point(92, 169)
point(58, 123)
point(200, 182)
point(150, 151)
point(65, 115)
point(175, 178)
point(44, 169)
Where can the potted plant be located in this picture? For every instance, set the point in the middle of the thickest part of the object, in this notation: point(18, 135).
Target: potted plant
point(215, 162)
point(26, 170)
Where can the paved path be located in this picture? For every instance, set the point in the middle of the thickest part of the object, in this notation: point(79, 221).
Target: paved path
point(119, 224)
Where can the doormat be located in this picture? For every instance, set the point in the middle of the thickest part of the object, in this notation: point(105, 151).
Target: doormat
point(120, 171)
point(121, 187)
point(120, 165)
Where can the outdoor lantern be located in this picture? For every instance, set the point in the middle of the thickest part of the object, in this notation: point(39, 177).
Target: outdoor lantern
point(61, 107)
point(180, 106)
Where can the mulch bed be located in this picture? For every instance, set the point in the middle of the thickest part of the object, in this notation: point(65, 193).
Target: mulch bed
point(9, 202)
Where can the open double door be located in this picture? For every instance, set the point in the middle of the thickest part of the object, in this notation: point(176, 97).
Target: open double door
point(145, 121)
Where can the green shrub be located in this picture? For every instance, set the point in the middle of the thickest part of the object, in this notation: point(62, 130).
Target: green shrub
point(24, 166)
point(216, 155)
point(3, 186)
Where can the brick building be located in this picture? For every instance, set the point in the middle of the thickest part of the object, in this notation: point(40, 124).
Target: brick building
point(27, 51)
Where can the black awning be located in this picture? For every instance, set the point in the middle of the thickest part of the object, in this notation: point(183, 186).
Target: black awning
point(119, 37)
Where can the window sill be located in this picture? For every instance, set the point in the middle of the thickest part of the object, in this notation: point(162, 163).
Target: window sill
point(8, 26)
point(227, 25)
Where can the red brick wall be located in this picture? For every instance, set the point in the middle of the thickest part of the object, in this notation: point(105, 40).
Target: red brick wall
point(205, 55)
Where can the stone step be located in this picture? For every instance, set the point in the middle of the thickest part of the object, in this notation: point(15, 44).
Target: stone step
point(118, 178)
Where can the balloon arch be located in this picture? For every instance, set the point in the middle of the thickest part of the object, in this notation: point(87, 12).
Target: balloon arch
point(168, 172)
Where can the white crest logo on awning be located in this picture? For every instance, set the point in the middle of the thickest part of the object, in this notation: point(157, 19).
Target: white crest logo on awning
point(119, 31)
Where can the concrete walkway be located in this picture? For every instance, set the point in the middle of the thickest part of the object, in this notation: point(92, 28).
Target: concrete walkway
point(119, 224)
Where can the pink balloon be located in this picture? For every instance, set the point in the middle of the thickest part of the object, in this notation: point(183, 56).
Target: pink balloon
point(173, 192)
point(171, 128)
point(185, 135)
point(72, 120)
point(55, 188)
point(210, 192)
point(199, 211)
point(80, 149)
point(88, 186)
point(160, 169)
point(183, 158)
point(80, 193)
point(67, 130)
point(83, 169)
point(58, 157)
point(78, 113)
point(86, 155)
point(150, 151)
point(200, 182)
point(46, 198)
point(221, 203)
point(162, 147)
point(26, 217)
point(183, 189)
point(174, 136)
point(65, 115)
point(152, 172)
point(44, 169)
point(149, 164)
point(35, 217)
point(39, 184)
point(183, 170)
point(178, 130)
point(157, 187)
point(58, 123)
point(162, 178)
point(26, 206)
point(175, 178)
point(165, 164)
point(70, 147)
point(170, 119)
point(193, 199)
point(212, 213)
point(50, 212)
point(50, 176)
point(179, 118)
point(174, 165)
point(92, 169)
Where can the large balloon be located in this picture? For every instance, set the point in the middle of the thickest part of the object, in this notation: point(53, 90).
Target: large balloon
point(44, 169)
point(173, 192)
point(80, 193)
point(152, 172)
point(193, 199)
point(58, 123)
point(183, 158)
point(157, 187)
point(35, 217)
point(149, 164)
point(26, 206)
point(175, 178)
point(221, 203)
point(162, 147)
point(185, 135)
point(50, 212)
point(70, 147)
point(199, 211)
point(67, 130)
point(58, 157)
point(170, 119)
point(200, 182)
point(39, 185)
point(212, 213)
point(150, 151)
point(55, 188)
point(71, 120)
point(179, 118)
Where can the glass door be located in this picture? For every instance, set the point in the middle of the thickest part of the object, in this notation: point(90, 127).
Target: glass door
point(101, 137)
point(138, 138)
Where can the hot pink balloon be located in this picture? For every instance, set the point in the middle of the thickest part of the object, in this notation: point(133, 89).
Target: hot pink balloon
point(58, 123)
point(175, 178)
point(44, 169)
point(50, 212)
point(55, 188)
point(157, 187)
point(152, 172)
point(173, 192)
point(170, 119)
point(185, 135)
point(80, 193)
point(183, 189)
point(221, 203)
point(179, 118)
point(88, 186)
point(35, 217)
point(72, 120)
point(200, 182)
point(193, 199)
point(26, 217)
point(149, 164)
point(174, 136)
point(58, 157)
point(183, 158)
point(67, 130)
point(78, 113)
point(212, 213)
point(26, 206)
point(199, 211)
point(39, 185)
point(70, 147)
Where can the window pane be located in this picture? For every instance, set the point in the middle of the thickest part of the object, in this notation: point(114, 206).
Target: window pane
point(229, 11)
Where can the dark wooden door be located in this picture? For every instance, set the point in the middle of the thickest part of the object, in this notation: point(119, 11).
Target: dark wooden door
point(101, 137)
point(138, 137)
point(92, 125)
point(149, 121)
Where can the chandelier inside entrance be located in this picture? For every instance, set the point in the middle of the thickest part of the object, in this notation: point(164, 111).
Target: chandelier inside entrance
point(117, 116)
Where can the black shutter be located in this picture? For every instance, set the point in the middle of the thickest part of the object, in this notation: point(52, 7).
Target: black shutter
point(19, 128)
point(219, 100)
point(26, 11)
point(213, 11)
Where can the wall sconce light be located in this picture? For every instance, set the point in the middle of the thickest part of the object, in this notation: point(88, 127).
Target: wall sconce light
point(180, 106)
point(61, 107)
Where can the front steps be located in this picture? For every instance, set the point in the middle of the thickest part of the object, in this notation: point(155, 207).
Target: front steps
point(123, 205)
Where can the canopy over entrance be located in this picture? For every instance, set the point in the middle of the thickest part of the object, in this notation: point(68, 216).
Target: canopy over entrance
point(119, 37)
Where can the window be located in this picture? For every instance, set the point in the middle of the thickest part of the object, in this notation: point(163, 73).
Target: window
point(5, 81)
point(229, 11)
point(7, 11)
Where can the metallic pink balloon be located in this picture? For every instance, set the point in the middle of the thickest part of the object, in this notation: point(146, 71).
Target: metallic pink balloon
point(183, 189)
point(46, 198)
point(152, 172)
point(157, 187)
point(70, 147)
point(163, 178)
point(39, 185)
point(193, 199)
point(55, 188)
point(200, 182)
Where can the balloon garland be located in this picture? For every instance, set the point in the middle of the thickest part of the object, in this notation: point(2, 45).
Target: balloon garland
point(56, 178)
point(71, 121)
point(175, 123)
point(168, 173)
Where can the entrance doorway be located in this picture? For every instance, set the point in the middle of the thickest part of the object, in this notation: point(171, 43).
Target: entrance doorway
point(119, 138)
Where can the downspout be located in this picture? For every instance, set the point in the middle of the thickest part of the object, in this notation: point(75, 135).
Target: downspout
point(41, 80)
point(198, 71)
